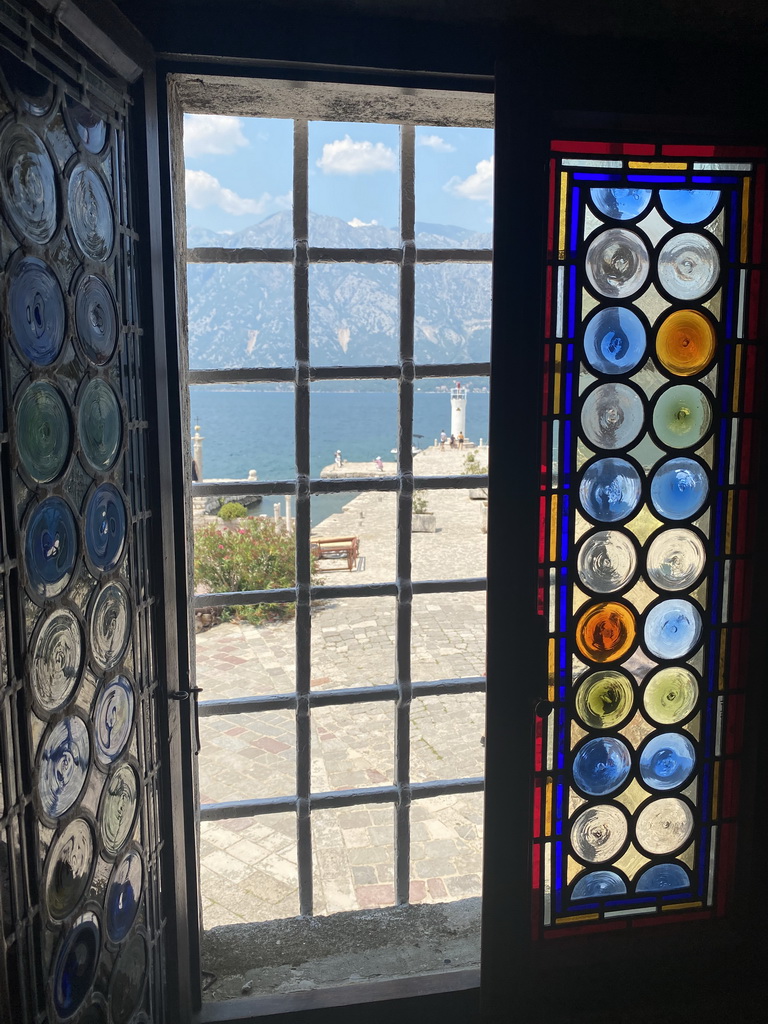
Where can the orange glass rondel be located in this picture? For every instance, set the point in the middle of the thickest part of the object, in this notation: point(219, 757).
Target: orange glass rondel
point(605, 631)
point(685, 343)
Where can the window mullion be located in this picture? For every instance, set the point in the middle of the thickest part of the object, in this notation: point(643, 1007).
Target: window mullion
point(404, 509)
point(303, 570)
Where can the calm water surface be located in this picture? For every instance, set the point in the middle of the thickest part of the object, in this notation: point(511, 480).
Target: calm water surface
point(246, 430)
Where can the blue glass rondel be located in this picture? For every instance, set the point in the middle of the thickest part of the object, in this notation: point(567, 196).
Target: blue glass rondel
point(50, 547)
point(610, 490)
point(601, 765)
point(689, 206)
point(667, 760)
point(75, 966)
point(672, 628)
point(662, 877)
point(36, 308)
point(123, 895)
point(614, 340)
point(105, 527)
point(679, 488)
point(621, 203)
point(598, 883)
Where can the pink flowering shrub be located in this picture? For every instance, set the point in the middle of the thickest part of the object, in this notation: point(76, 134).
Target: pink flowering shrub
point(257, 556)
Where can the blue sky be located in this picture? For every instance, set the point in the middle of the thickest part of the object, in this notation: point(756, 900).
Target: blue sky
point(239, 171)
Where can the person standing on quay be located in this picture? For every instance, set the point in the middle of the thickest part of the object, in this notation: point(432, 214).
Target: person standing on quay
point(379, 463)
point(337, 459)
point(460, 439)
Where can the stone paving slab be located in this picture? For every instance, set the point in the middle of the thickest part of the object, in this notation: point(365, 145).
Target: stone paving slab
point(248, 866)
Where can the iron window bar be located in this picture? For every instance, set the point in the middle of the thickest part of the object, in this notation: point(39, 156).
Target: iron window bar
point(301, 375)
point(335, 698)
point(341, 798)
point(287, 374)
point(323, 254)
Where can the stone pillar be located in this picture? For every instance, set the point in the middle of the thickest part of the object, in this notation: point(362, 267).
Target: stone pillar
point(288, 520)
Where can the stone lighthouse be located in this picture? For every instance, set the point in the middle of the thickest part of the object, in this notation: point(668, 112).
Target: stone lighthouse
point(458, 410)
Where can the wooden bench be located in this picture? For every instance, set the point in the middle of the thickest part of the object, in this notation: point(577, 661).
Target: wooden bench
point(336, 547)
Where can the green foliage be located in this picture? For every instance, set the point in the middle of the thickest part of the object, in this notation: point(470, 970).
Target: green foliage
point(257, 556)
point(420, 503)
point(232, 510)
point(472, 465)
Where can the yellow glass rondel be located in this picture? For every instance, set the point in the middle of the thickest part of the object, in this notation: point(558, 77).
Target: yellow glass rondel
point(685, 343)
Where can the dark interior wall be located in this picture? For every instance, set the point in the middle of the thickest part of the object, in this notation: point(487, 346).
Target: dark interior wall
point(704, 59)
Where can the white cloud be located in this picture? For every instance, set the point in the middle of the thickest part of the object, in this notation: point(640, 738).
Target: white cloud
point(437, 143)
point(343, 156)
point(357, 223)
point(212, 133)
point(205, 190)
point(477, 186)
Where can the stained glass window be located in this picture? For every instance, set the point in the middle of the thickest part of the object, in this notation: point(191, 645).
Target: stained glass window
point(79, 738)
point(650, 333)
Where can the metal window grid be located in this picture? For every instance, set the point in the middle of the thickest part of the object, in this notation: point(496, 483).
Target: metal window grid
point(301, 374)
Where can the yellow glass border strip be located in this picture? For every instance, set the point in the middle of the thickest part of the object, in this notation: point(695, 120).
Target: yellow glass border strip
point(744, 238)
point(654, 165)
point(562, 227)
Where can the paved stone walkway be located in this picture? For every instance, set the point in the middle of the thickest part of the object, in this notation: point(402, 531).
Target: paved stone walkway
point(248, 866)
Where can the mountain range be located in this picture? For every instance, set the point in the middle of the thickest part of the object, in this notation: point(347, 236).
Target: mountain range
point(242, 314)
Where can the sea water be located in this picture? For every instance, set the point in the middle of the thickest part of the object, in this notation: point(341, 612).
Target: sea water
point(254, 429)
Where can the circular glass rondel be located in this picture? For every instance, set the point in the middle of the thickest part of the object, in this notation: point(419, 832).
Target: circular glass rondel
point(36, 308)
point(68, 868)
point(671, 695)
point(118, 808)
point(689, 206)
point(621, 203)
point(110, 625)
point(90, 213)
point(105, 527)
point(617, 263)
point(113, 719)
point(662, 878)
point(685, 342)
point(612, 416)
point(688, 266)
point(66, 753)
point(50, 547)
point(599, 883)
point(601, 766)
point(676, 559)
point(100, 425)
point(96, 319)
point(56, 659)
point(28, 184)
point(124, 895)
point(610, 490)
point(667, 760)
point(606, 561)
point(664, 825)
point(604, 699)
point(42, 431)
point(90, 128)
point(128, 978)
point(679, 488)
point(614, 340)
point(75, 965)
point(605, 631)
point(672, 628)
point(599, 833)
point(682, 416)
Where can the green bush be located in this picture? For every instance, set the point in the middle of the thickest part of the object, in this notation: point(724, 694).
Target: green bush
point(232, 510)
point(420, 503)
point(257, 556)
point(472, 465)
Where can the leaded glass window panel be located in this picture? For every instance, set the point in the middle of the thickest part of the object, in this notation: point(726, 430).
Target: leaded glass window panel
point(651, 330)
point(79, 815)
